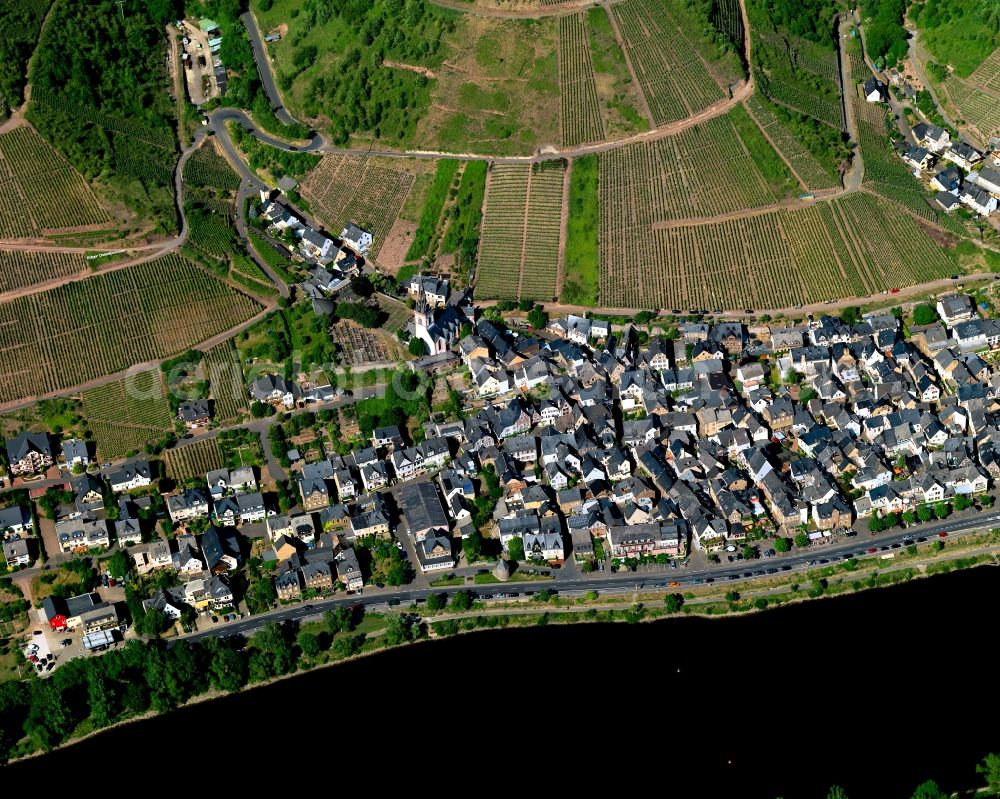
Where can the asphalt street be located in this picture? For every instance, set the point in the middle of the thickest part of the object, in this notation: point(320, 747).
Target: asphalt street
point(625, 582)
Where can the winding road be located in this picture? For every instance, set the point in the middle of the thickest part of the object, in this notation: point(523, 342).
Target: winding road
point(250, 184)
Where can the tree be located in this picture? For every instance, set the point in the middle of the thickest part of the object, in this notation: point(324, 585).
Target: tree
point(962, 502)
point(750, 552)
point(850, 316)
point(472, 546)
point(309, 644)
point(398, 629)
point(673, 602)
point(924, 314)
point(929, 790)
point(801, 540)
point(990, 769)
point(227, 671)
point(515, 548)
point(876, 524)
point(119, 565)
point(461, 601)
point(924, 513)
point(154, 623)
point(836, 792)
point(942, 509)
point(781, 545)
point(538, 318)
point(435, 602)
point(416, 347)
point(339, 620)
point(362, 284)
point(909, 517)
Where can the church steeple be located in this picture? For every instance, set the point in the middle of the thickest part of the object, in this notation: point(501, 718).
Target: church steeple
point(421, 311)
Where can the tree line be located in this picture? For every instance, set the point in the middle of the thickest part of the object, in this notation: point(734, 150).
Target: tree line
point(90, 693)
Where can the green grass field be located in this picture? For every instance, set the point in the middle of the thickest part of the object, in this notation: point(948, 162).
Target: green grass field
point(582, 257)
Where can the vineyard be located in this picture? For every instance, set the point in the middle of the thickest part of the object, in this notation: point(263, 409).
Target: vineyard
point(704, 171)
point(856, 245)
point(136, 159)
point(211, 228)
point(980, 109)
point(20, 268)
point(519, 251)
point(193, 460)
point(805, 165)
point(40, 188)
point(674, 79)
point(366, 191)
point(799, 74)
point(246, 272)
point(128, 413)
point(129, 128)
point(885, 174)
point(207, 169)
point(987, 74)
point(581, 114)
point(225, 376)
point(59, 338)
point(617, 94)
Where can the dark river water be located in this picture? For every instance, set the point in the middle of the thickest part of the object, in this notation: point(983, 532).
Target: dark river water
point(876, 692)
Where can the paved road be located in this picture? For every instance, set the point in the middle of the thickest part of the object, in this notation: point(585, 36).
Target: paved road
point(220, 116)
point(626, 582)
point(248, 192)
point(264, 68)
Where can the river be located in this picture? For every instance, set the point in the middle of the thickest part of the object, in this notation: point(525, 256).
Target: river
point(877, 692)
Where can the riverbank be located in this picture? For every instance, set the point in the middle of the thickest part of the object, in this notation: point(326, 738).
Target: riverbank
point(783, 703)
point(712, 602)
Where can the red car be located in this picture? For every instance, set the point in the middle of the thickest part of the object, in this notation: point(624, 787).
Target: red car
point(872, 551)
point(894, 291)
point(942, 535)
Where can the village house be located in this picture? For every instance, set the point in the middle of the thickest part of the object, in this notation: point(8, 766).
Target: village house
point(29, 453)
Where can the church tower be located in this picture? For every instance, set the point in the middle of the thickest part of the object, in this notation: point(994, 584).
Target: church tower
point(421, 315)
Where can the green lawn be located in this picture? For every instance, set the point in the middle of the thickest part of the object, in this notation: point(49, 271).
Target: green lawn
point(582, 257)
point(442, 582)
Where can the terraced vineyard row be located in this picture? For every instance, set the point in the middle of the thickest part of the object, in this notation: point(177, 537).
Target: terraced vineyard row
point(581, 114)
point(885, 174)
point(163, 139)
point(519, 250)
point(673, 78)
point(852, 246)
point(368, 193)
point(136, 159)
point(118, 441)
point(539, 272)
point(704, 171)
point(502, 244)
point(225, 376)
point(979, 109)
point(69, 335)
point(52, 193)
point(825, 108)
point(193, 460)
point(20, 268)
point(207, 169)
point(803, 54)
point(128, 413)
point(988, 73)
point(139, 399)
point(802, 161)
